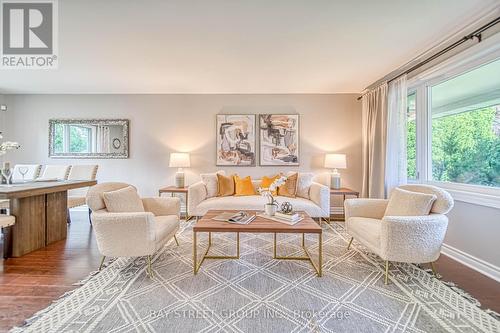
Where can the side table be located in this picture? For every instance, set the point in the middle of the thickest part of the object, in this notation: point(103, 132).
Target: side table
point(174, 190)
point(343, 192)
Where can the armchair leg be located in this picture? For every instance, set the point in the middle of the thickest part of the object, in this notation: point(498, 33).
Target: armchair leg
point(149, 269)
point(102, 262)
point(386, 278)
point(176, 241)
point(433, 269)
point(350, 242)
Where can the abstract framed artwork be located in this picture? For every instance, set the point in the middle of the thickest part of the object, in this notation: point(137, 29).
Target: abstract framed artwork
point(236, 140)
point(279, 139)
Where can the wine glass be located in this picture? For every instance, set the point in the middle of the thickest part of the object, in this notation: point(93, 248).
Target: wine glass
point(7, 173)
point(23, 171)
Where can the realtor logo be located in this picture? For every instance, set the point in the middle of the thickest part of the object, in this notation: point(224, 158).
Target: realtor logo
point(29, 34)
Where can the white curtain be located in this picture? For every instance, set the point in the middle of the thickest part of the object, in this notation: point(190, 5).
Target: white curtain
point(395, 162)
point(103, 139)
point(374, 136)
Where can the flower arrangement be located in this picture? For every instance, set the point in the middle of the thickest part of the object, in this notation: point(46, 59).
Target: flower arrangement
point(268, 192)
point(7, 145)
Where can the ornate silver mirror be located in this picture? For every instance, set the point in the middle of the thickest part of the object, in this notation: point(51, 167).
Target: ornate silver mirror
point(88, 138)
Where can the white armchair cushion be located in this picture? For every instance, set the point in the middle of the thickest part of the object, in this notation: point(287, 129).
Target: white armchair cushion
point(165, 228)
point(94, 197)
point(366, 230)
point(123, 200)
point(162, 206)
point(444, 202)
point(372, 208)
point(406, 203)
point(210, 181)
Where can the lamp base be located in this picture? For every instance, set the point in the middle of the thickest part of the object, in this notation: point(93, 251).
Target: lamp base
point(335, 181)
point(179, 179)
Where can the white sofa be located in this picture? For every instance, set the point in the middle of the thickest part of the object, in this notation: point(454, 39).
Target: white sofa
point(317, 205)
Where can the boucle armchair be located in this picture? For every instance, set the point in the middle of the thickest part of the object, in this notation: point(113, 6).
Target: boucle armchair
point(132, 234)
point(411, 239)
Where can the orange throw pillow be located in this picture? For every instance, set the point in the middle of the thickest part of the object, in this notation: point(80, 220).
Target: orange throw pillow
point(243, 186)
point(267, 181)
point(289, 189)
point(225, 185)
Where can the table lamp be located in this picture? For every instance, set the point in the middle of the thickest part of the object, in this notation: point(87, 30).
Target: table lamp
point(179, 160)
point(335, 161)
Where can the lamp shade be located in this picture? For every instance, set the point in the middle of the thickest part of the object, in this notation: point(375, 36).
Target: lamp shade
point(335, 161)
point(179, 160)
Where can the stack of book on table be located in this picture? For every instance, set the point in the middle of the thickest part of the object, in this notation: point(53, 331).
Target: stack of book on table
point(289, 217)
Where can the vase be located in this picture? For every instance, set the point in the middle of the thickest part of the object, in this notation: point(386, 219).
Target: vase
point(270, 209)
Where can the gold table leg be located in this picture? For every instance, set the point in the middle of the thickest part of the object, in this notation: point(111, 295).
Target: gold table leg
point(350, 242)
point(196, 266)
point(318, 268)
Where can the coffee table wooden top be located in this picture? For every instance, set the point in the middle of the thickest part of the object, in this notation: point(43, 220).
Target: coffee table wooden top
point(259, 225)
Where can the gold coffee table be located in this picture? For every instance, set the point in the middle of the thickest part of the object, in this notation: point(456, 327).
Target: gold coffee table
point(259, 225)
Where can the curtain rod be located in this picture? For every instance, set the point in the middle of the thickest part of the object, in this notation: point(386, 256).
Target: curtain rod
point(475, 34)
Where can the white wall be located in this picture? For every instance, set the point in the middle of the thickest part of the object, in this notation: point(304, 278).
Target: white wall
point(160, 124)
point(474, 230)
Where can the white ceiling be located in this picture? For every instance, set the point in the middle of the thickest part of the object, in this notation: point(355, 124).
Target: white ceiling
point(237, 46)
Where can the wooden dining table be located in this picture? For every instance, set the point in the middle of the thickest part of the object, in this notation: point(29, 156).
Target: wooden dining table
point(41, 213)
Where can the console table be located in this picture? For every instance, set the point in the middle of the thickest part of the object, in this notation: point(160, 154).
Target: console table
point(40, 209)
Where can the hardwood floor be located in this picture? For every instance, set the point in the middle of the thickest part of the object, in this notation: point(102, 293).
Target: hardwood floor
point(30, 283)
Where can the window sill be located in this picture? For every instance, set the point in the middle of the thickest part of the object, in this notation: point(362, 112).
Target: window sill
point(477, 195)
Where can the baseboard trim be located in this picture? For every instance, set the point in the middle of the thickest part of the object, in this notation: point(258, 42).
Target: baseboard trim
point(470, 261)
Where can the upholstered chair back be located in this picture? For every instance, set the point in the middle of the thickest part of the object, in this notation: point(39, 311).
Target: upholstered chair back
point(55, 171)
point(444, 202)
point(32, 174)
point(94, 197)
point(83, 172)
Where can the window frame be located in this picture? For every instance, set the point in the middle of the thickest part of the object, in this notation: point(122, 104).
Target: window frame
point(417, 173)
point(475, 57)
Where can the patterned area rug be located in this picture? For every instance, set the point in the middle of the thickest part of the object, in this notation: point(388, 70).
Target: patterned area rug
point(260, 294)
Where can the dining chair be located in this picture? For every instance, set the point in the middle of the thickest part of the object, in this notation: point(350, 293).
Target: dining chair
point(55, 172)
point(77, 197)
point(31, 172)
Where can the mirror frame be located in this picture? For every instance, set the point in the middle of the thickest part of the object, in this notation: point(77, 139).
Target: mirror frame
point(125, 141)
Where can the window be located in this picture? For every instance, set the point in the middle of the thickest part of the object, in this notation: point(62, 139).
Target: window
point(411, 137)
point(79, 139)
point(72, 138)
point(59, 138)
point(465, 127)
